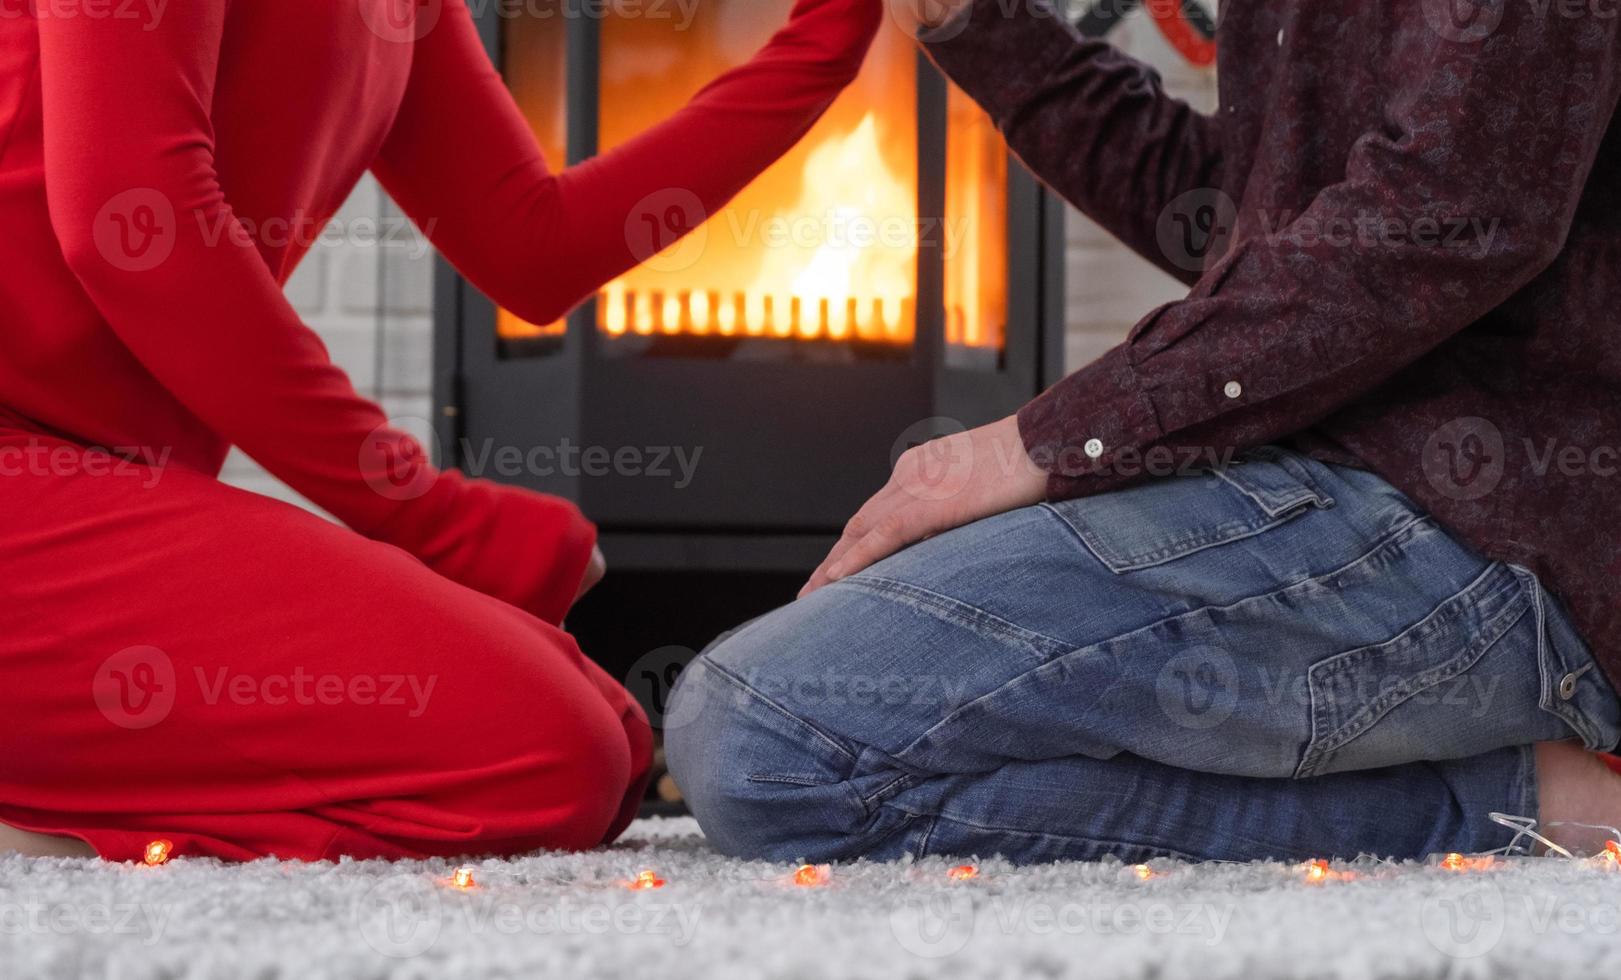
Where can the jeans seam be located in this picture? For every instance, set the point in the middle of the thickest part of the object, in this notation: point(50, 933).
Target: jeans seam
point(749, 689)
point(1485, 636)
point(962, 613)
point(936, 818)
point(1378, 546)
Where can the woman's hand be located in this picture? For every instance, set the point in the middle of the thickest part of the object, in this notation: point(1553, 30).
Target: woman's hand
point(595, 570)
point(937, 486)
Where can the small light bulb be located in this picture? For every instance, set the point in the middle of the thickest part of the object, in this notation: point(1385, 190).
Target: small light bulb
point(158, 851)
point(1612, 852)
point(463, 878)
point(1453, 862)
point(1317, 870)
point(645, 881)
point(812, 875)
point(1143, 871)
point(963, 872)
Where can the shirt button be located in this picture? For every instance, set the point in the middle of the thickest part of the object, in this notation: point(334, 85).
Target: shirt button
point(1567, 687)
point(1234, 389)
point(1094, 448)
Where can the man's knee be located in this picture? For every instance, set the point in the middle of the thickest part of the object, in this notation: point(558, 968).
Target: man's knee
point(762, 783)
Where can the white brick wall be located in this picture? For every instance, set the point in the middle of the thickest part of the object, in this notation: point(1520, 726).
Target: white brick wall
point(372, 303)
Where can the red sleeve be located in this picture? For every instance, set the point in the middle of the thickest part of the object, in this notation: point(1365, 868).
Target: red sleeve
point(462, 162)
point(127, 112)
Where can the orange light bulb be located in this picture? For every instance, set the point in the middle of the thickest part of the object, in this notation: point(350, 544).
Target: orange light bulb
point(645, 881)
point(1317, 871)
point(1453, 862)
point(1143, 871)
point(812, 875)
point(463, 878)
point(1612, 852)
point(158, 851)
point(963, 872)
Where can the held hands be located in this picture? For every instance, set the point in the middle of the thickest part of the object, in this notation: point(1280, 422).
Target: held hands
point(916, 16)
point(936, 487)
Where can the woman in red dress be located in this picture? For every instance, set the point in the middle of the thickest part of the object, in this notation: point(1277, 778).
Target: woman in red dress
point(189, 662)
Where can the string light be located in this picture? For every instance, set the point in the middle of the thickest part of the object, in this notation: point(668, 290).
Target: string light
point(1317, 870)
point(158, 851)
point(812, 875)
point(463, 878)
point(645, 881)
point(1143, 871)
point(963, 872)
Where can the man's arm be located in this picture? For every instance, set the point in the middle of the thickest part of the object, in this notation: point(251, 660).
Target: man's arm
point(1496, 137)
point(1094, 124)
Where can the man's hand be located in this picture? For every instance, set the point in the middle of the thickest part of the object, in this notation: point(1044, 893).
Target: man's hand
point(595, 570)
point(940, 485)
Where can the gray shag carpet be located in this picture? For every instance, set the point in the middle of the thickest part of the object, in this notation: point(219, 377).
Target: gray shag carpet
point(572, 916)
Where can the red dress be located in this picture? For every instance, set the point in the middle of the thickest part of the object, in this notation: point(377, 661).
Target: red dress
point(189, 661)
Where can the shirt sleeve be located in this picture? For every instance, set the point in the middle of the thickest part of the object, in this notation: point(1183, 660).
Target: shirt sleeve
point(1462, 195)
point(1093, 123)
point(128, 143)
point(462, 162)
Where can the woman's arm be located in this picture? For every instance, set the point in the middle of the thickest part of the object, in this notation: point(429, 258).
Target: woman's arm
point(127, 129)
point(463, 163)
point(1091, 122)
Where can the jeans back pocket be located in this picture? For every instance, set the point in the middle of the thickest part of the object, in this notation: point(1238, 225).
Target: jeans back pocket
point(1174, 516)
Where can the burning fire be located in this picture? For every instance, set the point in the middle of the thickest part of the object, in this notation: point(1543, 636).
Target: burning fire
point(838, 263)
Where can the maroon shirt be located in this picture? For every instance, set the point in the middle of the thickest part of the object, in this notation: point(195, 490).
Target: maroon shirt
point(1403, 236)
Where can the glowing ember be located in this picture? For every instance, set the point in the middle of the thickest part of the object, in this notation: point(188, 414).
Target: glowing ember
point(963, 872)
point(463, 878)
point(812, 875)
point(645, 881)
point(158, 851)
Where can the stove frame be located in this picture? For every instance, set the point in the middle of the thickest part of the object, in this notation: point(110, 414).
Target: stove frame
point(791, 447)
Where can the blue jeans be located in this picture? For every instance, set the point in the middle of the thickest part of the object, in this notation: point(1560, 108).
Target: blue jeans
point(1285, 659)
